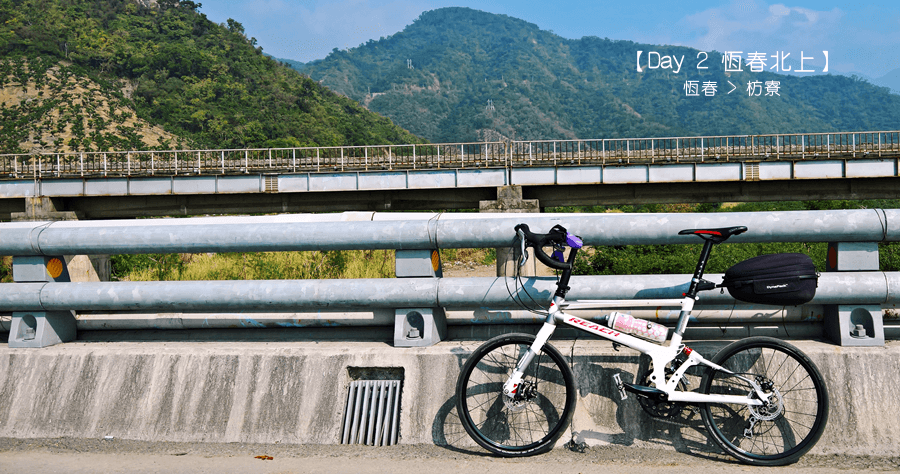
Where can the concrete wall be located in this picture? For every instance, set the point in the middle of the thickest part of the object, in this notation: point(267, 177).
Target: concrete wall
point(277, 390)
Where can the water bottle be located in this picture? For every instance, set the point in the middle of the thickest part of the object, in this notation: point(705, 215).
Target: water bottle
point(641, 328)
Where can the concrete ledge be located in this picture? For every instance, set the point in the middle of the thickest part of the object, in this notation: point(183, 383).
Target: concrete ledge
point(278, 390)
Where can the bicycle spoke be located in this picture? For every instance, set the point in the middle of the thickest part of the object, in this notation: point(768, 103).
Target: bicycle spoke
point(794, 416)
point(531, 421)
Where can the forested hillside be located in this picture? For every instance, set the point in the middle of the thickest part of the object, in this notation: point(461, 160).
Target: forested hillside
point(459, 74)
point(129, 74)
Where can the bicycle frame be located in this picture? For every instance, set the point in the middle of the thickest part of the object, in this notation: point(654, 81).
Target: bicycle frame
point(661, 355)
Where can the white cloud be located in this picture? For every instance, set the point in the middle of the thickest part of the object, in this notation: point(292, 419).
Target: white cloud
point(742, 25)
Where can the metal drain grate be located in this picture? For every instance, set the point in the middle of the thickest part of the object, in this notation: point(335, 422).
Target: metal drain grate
point(372, 415)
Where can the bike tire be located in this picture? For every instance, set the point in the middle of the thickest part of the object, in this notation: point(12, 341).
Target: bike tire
point(781, 435)
point(529, 427)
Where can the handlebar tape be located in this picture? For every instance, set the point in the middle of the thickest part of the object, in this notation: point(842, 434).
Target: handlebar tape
point(556, 236)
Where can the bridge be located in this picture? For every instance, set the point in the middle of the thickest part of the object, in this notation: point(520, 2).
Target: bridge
point(95, 185)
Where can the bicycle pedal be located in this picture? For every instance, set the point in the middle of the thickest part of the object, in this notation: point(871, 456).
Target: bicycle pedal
point(621, 386)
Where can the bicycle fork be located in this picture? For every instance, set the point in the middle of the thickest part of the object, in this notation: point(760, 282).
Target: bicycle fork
point(511, 386)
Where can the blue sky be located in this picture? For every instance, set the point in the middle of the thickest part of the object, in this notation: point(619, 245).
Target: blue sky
point(861, 37)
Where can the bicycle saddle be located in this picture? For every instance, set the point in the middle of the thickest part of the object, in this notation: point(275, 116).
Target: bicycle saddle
point(716, 235)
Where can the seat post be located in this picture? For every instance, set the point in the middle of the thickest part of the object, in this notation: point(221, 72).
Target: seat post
point(701, 266)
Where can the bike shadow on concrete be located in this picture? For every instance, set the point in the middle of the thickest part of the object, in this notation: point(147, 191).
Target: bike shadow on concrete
point(601, 416)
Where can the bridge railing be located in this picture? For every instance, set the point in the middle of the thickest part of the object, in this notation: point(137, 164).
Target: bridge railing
point(848, 145)
point(706, 148)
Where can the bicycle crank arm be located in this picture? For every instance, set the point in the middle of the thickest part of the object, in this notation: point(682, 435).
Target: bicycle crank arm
point(621, 386)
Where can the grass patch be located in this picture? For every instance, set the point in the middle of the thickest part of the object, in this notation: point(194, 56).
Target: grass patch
point(255, 266)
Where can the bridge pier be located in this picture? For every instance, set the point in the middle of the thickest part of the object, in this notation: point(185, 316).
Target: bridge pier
point(510, 200)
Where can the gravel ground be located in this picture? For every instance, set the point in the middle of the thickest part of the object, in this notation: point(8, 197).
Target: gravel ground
point(68, 455)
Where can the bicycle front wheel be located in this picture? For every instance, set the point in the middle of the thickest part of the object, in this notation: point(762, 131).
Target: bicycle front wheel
point(789, 425)
point(533, 421)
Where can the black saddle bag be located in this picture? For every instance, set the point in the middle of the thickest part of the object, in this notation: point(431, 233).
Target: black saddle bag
point(782, 279)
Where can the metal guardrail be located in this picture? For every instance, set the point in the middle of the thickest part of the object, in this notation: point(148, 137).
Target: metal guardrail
point(38, 297)
point(859, 288)
point(498, 154)
point(426, 231)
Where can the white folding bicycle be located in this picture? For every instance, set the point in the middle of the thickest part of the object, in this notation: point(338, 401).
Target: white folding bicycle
point(762, 400)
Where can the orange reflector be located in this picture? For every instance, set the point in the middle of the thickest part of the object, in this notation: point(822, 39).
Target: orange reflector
point(55, 267)
point(435, 260)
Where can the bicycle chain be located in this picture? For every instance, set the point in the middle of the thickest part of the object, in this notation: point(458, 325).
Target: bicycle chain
point(669, 421)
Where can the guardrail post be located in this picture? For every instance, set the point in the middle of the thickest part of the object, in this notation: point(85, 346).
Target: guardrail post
point(40, 328)
point(419, 327)
point(853, 325)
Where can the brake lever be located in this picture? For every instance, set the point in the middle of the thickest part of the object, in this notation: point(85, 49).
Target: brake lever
point(523, 255)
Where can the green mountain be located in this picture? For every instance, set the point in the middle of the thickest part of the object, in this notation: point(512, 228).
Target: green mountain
point(137, 74)
point(458, 74)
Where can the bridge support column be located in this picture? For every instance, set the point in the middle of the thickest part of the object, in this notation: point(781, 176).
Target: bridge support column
point(80, 267)
point(854, 325)
point(510, 200)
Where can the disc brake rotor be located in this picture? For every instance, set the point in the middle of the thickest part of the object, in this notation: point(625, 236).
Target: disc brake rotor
point(771, 410)
point(525, 393)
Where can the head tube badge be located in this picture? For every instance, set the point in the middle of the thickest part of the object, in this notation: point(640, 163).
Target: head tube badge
point(574, 241)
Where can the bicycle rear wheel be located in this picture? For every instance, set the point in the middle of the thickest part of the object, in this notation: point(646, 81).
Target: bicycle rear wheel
point(523, 427)
point(780, 432)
